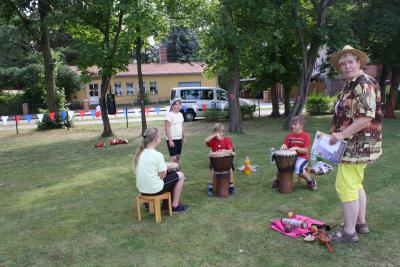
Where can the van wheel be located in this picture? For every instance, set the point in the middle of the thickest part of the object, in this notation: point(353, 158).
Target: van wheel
point(189, 115)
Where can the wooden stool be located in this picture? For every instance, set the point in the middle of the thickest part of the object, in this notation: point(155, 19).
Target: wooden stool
point(308, 171)
point(154, 204)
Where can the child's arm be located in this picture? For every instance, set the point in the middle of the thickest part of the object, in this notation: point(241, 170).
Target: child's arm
point(168, 133)
point(209, 138)
point(162, 174)
point(301, 150)
point(183, 134)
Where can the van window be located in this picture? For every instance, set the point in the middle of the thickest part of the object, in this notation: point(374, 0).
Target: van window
point(221, 95)
point(207, 95)
point(197, 94)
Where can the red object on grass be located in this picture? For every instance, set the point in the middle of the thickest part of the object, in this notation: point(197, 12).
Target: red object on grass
point(147, 110)
point(97, 114)
point(17, 118)
point(113, 142)
point(101, 144)
point(82, 113)
point(204, 107)
point(51, 115)
point(122, 141)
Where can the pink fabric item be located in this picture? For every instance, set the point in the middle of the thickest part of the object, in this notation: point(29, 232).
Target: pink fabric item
point(296, 232)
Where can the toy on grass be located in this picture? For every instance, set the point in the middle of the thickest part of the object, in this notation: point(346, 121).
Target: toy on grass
point(100, 144)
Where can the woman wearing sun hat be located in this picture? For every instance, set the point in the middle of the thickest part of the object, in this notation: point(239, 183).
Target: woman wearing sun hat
point(357, 119)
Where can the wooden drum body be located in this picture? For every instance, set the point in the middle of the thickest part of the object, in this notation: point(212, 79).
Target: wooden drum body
point(285, 161)
point(221, 162)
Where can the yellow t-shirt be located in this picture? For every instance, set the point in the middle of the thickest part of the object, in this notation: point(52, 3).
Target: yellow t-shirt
point(176, 120)
point(151, 162)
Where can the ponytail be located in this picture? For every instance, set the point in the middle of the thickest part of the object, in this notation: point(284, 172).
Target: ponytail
point(148, 137)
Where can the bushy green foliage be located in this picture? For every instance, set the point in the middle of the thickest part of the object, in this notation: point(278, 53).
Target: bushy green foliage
point(216, 115)
point(248, 111)
point(47, 123)
point(319, 104)
point(68, 80)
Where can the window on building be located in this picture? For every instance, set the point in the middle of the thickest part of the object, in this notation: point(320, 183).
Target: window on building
point(130, 90)
point(118, 89)
point(189, 84)
point(94, 89)
point(153, 87)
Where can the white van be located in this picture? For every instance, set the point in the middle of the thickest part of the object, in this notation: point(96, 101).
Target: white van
point(194, 98)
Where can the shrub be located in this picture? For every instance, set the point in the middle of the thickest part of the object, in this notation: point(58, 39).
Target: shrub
point(216, 115)
point(58, 123)
point(248, 111)
point(319, 104)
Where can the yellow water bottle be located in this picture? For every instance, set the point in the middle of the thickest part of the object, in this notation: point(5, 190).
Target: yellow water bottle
point(247, 166)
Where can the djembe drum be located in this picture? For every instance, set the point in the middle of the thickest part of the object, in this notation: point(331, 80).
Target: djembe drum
point(221, 162)
point(172, 167)
point(285, 161)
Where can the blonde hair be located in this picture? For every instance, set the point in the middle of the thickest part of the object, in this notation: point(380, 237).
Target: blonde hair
point(148, 137)
point(298, 119)
point(174, 102)
point(218, 127)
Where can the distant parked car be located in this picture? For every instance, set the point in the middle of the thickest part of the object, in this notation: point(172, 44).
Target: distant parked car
point(192, 97)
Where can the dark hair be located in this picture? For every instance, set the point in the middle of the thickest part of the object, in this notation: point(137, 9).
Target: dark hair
point(148, 136)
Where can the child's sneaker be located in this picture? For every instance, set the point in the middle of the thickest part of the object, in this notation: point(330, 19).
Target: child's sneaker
point(180, 208)
point(275, 183)
point(210, 190)
point(232, 189)
point(312, 185)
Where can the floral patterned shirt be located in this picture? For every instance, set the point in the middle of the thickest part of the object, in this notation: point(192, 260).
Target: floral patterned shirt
point(360, 98)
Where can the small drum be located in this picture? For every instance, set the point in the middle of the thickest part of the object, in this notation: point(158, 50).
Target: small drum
point(221, 162)
point(172, 167)
point(285, 161)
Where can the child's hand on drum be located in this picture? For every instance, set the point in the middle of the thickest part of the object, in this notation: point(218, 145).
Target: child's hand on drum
point(283, 147)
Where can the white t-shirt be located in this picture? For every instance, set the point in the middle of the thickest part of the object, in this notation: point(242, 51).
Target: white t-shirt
point(151, 162)
point(176, 120)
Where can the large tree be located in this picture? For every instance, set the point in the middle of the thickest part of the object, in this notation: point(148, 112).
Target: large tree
point(34, 17)
point(98, 26)
point(376, 23)
point(309, 19)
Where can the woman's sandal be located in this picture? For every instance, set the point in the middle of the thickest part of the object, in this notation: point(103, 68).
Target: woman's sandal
point(362, 228)
point(343, 237)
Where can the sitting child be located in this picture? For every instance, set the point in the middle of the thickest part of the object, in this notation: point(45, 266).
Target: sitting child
point(217, 142)
point(151, 171)
point(299, 141)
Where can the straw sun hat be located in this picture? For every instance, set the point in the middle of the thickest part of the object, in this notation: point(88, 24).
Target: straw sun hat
point(347, 49)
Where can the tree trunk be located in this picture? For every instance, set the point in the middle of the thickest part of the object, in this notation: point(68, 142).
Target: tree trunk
point(140, 76)
point(105, 83)
point(286, 99)
point(44, 9)
point(235, 114)
point(275, 100)
point(391, 100)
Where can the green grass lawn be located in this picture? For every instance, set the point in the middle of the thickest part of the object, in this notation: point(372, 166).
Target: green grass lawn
point(64, 202)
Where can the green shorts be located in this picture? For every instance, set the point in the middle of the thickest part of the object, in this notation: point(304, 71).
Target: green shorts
point(349, 180)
